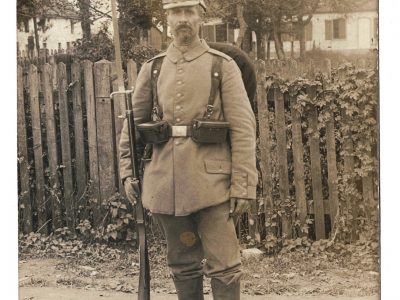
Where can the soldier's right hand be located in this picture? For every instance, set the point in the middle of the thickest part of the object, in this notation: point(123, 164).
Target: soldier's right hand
point(132, 190)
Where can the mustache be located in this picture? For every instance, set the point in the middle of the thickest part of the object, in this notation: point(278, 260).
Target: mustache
point(183, 26)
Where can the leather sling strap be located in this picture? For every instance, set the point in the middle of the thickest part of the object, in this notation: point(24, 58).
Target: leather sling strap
point(155, 72)
point(216, 77)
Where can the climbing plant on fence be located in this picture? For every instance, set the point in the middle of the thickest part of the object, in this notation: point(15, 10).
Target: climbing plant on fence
point(326, 124)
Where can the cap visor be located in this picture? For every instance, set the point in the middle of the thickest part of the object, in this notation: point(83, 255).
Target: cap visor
point(180, 4)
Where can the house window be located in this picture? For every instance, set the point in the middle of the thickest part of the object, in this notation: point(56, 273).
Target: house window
point(209, 33)
point(335, 29)
point(221, 33)
point(72, 26)
point(339, 28)
point(44, 45)
point(59, 46)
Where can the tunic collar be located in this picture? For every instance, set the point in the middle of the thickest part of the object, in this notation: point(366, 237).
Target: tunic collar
point(174, 54)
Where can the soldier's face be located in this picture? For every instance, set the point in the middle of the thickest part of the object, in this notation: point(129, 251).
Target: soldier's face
point(184, 23)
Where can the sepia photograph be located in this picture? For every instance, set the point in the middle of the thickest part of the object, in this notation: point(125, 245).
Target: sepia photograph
point(194, 149)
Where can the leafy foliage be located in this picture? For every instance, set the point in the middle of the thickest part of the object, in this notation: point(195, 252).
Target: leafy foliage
point(350, 99)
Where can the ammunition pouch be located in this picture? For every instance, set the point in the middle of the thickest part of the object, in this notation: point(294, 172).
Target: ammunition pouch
point(154, 132)
point(206, 131)
point(203, 131)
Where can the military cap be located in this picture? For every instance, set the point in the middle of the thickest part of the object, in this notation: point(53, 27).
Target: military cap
point(179, 3)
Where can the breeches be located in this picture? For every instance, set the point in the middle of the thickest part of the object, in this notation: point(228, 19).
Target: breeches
point(207, 234)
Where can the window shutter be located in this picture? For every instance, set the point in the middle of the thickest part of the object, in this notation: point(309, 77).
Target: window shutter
point(342, 28)
point(208, 33)
point(328, 30)
point(221, 33)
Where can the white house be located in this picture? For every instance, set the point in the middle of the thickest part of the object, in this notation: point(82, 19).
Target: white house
point(353, 31)
point(63, 27)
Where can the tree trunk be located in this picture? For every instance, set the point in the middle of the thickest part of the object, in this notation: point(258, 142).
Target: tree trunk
point(260, 44)
point(84, 12)
point(35, 28)
point(302, 42)
point(242, 24)
point(246, 44)
point(278, 43)
point(268, 47)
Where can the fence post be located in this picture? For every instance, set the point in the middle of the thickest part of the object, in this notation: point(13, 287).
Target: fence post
point(55, 187)
point(66, 147)
point(37, 148)
point(281, 140)
point(298, 164)
point(331, 147)
point(23, 161)
point(119, 104)
point(264, 144)
point(92, 140)
point(105, 130)
point(316, 174)
point(80, 161)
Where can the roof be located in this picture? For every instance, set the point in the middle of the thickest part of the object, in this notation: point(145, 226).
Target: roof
point(356, 6)
point(55, 9)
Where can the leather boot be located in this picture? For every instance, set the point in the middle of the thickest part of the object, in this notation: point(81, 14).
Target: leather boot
point(221, 291)
point(190, 289)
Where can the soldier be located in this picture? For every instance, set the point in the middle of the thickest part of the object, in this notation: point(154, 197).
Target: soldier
point(194, 188)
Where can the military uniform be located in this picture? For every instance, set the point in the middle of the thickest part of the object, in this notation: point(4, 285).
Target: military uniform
point(187, 185)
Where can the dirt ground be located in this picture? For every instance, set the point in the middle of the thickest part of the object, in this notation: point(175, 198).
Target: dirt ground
point(66, 278)
point(58, 267)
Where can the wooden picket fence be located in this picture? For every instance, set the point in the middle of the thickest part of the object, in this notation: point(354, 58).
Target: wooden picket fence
point(277, 185)
point(68, 133)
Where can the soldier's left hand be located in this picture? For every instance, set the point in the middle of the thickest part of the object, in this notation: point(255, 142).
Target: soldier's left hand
point(238, 206)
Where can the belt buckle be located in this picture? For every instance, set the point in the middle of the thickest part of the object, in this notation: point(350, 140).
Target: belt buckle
point(179, 131)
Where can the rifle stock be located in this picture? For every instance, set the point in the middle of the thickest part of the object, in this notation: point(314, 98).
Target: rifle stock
point(144, 275)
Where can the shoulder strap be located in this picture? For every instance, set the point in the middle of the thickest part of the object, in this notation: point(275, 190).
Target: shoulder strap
point(155, 72)
point(216, 77)
point(220, 53)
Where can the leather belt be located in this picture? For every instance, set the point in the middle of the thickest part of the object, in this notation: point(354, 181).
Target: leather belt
point(180, 131)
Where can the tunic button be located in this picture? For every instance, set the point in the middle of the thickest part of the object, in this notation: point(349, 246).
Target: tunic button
point(176, 142)
point(178, 119)
point(178, 107)
point(180, 70)
point(181, 60)
point(179, 82)
point(179, 95)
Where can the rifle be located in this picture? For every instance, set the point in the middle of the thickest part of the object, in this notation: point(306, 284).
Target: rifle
point(144, 275)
